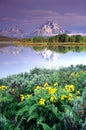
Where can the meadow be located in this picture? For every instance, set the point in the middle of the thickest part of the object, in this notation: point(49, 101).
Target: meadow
point(44, 99)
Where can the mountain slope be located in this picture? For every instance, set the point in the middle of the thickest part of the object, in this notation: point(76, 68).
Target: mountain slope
point(13, 32)
point(50, 28)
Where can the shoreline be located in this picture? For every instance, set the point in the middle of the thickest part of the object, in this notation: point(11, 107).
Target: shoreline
point(20, 43)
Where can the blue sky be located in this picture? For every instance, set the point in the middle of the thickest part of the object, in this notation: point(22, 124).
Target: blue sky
point(30, 14)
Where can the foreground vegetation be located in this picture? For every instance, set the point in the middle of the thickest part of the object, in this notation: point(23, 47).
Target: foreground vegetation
point(44, 100)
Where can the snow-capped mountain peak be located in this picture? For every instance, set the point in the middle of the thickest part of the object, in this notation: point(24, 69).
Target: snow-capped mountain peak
point(12, 32)
point(50, 28)
point(16, 29)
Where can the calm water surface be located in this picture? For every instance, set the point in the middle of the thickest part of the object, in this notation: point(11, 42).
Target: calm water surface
point(14, 60)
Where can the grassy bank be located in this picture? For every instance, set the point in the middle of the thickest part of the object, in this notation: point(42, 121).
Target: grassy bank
point(49, 44)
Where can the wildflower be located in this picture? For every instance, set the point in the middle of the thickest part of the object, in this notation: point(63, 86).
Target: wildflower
point(52, 90)
point(42, 101)
point(53, 99)
point(46, 85)
point(77, 75)
point(29, 96)
point(3, 87)
point(55, 84)
point(22, 97)
point(63, 97)
point(69, 88)
point(72, 88)
point(37, 87)
point(78, 92)
point(72, 74)
point(78, 97)
point(70, 97)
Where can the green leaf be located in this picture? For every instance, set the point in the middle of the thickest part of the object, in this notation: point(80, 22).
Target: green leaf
point(54, 109)
point(58, 126)
point(21, 111)
point(32, 117)
point(40, 119)
point(32, 108)
point(46, 127)
point(56, 112)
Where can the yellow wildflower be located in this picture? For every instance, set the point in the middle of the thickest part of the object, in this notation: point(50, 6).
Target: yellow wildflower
point(70, 97)
point(63, 97)
point(42, 101)
point(3, 87)
point(52, 90)
point(78, 97)
point(78, 92)
point(29, 96)
point(22, 97)
point(53, 99)
point(37, 87)
point(55, 84)
point(72, 88)
point(67, 88)
point(77, 75)
point(46, 85)
point(72, 74)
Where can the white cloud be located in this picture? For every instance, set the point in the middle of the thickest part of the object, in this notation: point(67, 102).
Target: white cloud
point(8, 19)
point(35, 18)
point(10, 63)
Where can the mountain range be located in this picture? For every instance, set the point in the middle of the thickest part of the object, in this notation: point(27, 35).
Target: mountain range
point(50, 28)
point(12, 32)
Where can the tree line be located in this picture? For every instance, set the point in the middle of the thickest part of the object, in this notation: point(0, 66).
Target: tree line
point(57, 38)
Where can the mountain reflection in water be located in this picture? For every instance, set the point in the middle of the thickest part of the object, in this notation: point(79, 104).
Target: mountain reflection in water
point(14, 60)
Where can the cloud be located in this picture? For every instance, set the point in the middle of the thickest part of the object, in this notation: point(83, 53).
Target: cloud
point(8, 19)
point(40, 16)
point(73, 19)
point(10, 62)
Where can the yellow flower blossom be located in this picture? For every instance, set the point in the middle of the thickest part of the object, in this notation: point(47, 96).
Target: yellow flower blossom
point(78, 97)
point(37, 89)
point(53, 99)
point(29, 96)
point(3, 87)
point(69, 88)
point(52, 90)
point(63, 97)
point(55, 84)
point(77, 75)
point(45, 85)
point(42, 101)
point(70, 97)
point(72, 88)
point(22, 97)
point(78, 92)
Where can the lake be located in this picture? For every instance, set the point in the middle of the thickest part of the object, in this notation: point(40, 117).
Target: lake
point(17, 59)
